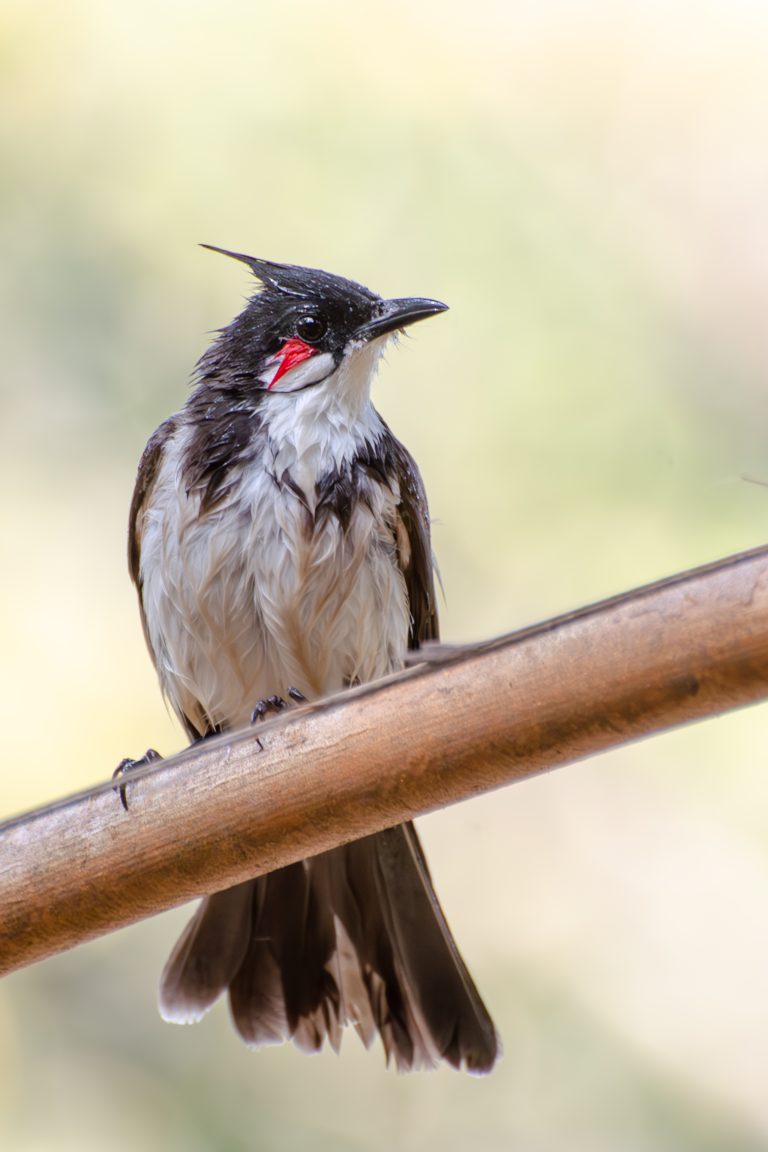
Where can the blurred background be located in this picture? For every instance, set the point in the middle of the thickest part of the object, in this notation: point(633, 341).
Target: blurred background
point(585, 183)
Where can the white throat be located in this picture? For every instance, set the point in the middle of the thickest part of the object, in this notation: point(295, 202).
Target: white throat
point(314, 430)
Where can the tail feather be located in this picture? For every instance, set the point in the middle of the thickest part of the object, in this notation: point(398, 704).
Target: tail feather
point(207, 955)
point(440, 988)
point(353, 936)
point(256, 992)
point(282, 988)
point(356, 890)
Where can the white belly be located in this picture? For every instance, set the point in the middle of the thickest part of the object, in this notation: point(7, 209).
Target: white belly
point(249, 600)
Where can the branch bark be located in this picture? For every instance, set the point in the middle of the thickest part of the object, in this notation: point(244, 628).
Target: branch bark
point(689, 647)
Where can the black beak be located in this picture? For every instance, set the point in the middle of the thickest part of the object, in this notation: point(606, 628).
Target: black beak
point(394, 314)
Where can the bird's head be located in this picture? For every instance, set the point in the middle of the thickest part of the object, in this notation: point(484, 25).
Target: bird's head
point(304, 328)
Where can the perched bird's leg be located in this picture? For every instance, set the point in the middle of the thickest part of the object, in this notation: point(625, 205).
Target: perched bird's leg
point(127, 766)
point(275, 704)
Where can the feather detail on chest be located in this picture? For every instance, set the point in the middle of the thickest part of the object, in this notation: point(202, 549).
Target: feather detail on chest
point(281, 568)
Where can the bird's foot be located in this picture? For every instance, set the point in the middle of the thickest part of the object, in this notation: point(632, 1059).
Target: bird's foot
point(276, 704)
point(125, 767)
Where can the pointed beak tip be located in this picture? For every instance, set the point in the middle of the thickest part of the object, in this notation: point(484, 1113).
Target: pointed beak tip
point(417, 308)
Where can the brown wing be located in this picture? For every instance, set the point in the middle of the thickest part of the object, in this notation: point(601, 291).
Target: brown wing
point(414, 545)
point(145, 479)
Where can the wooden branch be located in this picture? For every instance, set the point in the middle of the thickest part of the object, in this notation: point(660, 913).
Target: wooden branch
point(230, 808)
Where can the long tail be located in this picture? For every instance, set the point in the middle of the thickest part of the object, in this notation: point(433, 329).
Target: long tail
point(354, 936)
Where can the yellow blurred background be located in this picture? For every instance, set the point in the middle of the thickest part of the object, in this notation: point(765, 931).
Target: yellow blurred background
point(586, 184)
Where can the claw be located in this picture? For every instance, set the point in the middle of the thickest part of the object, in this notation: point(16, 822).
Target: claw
point(127, 766)
point(276, 704)
point(268, 704)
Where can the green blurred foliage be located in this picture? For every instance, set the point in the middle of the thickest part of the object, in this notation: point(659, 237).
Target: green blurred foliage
point(584, 184)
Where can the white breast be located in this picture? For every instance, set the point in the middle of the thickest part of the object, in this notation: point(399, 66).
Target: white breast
point(246, 600)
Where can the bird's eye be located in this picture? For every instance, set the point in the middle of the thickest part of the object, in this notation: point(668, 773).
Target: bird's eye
point(311, 328)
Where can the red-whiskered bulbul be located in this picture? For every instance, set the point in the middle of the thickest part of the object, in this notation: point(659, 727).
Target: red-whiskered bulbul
point(279, 536)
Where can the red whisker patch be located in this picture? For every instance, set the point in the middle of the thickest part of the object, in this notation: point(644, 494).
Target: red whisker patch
point(292, 353)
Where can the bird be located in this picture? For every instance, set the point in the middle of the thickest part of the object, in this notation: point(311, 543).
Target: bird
point(279, 540)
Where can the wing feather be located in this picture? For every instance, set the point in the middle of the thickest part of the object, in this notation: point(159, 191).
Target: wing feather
point(413, 542)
